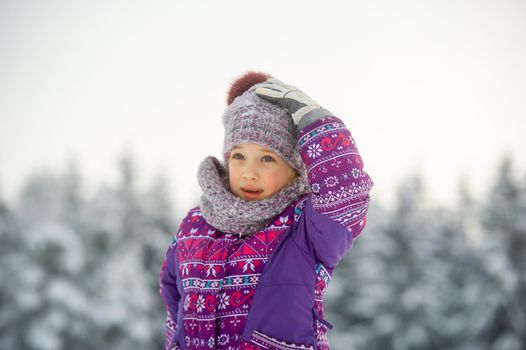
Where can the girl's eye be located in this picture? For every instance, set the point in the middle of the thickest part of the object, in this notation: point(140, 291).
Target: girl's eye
point(268, 159)
point(237, 156)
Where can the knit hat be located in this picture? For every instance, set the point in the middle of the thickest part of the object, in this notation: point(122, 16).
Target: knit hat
point(251, 119)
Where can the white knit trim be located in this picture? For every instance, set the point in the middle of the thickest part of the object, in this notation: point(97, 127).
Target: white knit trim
point(277, 343)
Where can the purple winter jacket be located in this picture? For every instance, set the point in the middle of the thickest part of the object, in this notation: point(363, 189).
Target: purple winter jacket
point(265, 291)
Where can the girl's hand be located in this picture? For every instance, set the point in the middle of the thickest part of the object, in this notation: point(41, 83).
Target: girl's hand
point(295, 101)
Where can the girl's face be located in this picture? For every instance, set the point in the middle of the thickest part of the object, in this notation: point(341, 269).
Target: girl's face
point(256, 172)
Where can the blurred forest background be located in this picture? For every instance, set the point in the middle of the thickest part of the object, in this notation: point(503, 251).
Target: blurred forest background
point(82, 273)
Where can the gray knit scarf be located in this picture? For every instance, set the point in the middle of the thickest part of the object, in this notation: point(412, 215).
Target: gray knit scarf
point(231, 214)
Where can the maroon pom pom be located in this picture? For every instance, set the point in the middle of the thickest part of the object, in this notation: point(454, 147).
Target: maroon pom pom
point(245, 82)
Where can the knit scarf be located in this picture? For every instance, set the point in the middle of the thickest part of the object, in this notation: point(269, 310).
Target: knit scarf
point(225, 211)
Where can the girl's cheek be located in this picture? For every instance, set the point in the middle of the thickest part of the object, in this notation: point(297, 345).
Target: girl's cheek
point(232, 174)
point(277, 179)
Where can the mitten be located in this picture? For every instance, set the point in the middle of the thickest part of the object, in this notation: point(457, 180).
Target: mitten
point(301, 107)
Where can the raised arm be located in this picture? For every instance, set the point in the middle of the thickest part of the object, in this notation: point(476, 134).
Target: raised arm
point(339, 185)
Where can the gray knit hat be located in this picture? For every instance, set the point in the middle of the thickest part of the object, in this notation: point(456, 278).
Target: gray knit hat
point(251, 119)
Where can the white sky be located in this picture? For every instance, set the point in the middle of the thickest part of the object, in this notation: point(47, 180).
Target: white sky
point(433, 86)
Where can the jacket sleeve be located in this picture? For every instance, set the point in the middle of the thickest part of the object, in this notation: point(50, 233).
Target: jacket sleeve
point(340, 188)
point(169, 294)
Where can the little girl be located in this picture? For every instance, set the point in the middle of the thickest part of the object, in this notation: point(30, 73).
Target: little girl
point(249, 267)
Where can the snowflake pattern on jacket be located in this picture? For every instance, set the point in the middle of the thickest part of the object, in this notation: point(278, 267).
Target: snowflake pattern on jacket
point(208, 278)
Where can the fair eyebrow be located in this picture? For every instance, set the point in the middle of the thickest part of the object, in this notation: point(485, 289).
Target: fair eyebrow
point(263, 149)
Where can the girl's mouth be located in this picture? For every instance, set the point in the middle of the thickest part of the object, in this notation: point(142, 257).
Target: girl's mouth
point(251, 192)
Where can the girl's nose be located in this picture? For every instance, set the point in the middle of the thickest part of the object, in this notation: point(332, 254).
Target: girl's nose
point(250, 174)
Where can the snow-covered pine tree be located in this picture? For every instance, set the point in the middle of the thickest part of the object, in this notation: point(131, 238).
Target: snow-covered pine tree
point(162, 220)
point(451, 273)
point(132, 231)
point(12, 258)
point(51, 297)
point(500, 319)
point(345, 285)
point(393, 281)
